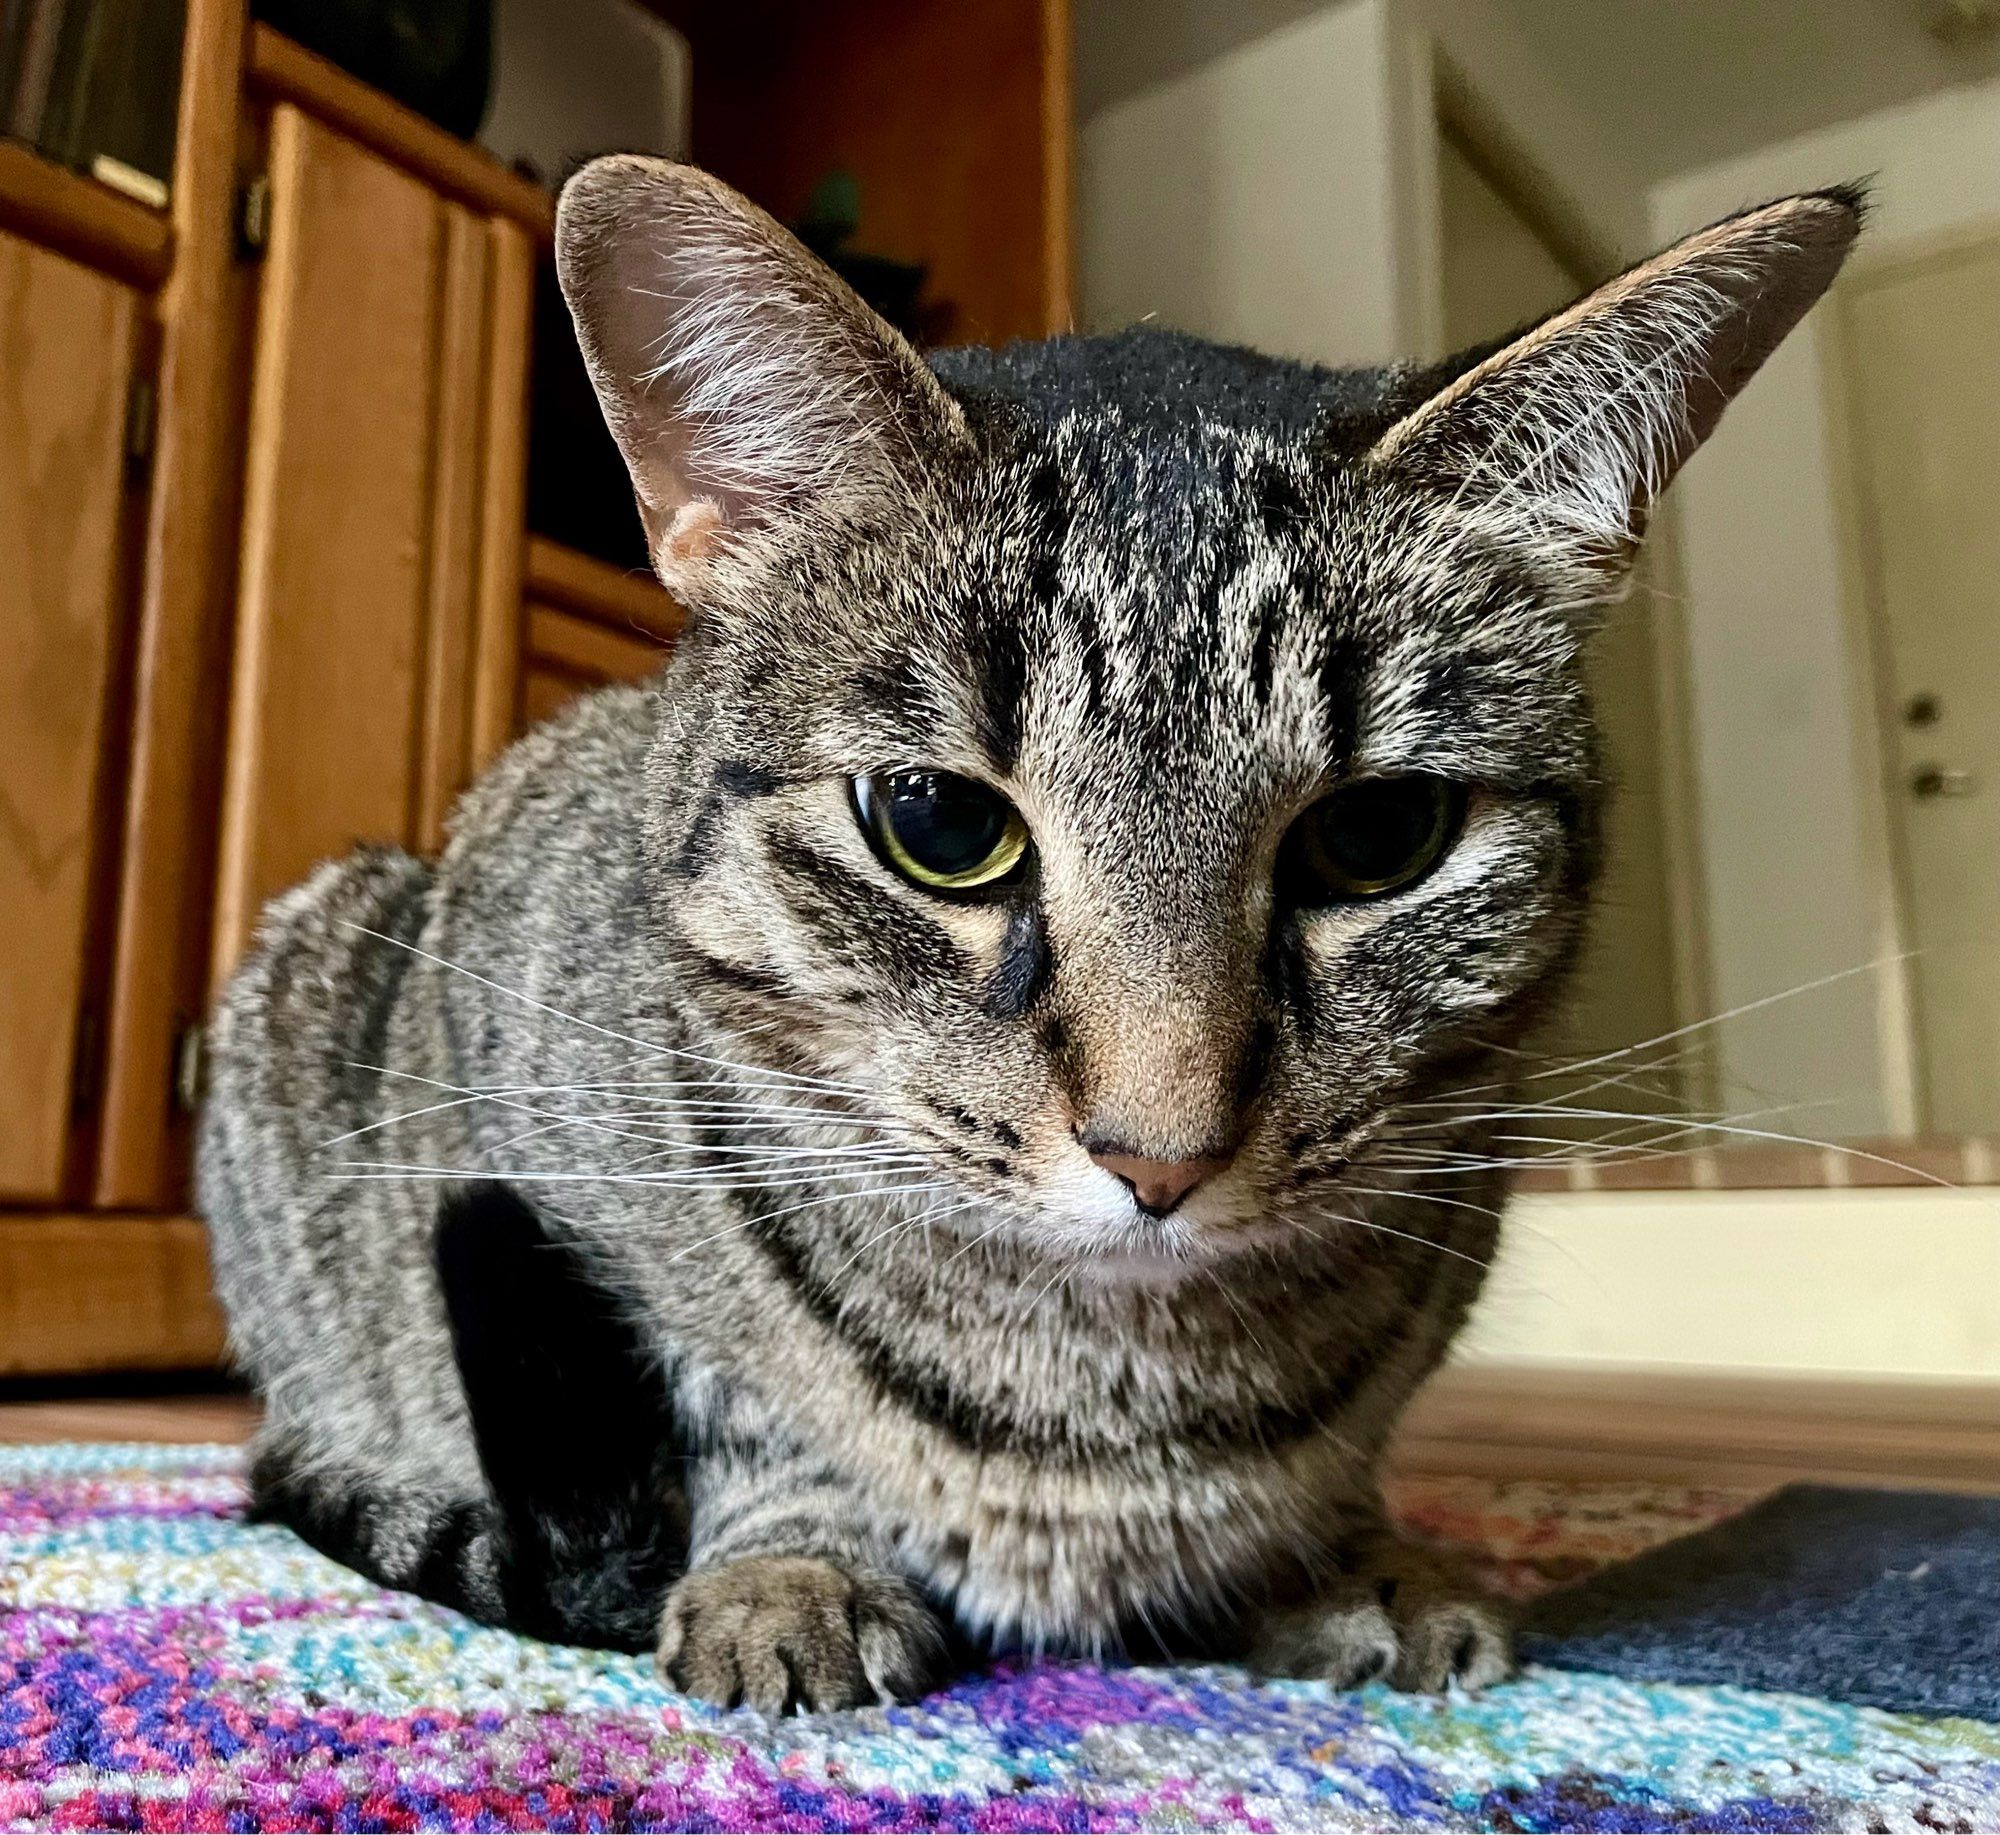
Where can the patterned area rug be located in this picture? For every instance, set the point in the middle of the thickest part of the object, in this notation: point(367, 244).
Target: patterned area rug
point(164, 1666)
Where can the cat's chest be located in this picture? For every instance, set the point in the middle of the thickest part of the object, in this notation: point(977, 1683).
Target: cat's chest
point(1074, 1494)
point(1081, 1556)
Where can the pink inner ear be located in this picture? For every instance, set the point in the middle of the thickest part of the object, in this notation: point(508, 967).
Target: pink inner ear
point(692, 535)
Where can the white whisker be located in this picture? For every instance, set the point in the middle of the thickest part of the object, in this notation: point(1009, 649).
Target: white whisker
point(624, 1038)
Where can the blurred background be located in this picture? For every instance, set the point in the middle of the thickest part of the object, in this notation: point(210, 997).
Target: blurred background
point(305, 510)
point(1796, 698)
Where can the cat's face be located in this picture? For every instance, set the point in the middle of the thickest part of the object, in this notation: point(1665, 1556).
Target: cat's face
point(1266, 817)
point(1146, 811)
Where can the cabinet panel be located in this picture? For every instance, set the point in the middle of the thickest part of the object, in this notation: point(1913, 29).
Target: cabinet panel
point(66, 350)
point(568, 656)
point(451, 590)
point(349, 701)
point(81, 1293)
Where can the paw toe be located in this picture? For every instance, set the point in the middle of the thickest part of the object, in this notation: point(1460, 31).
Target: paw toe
point(1451, 1641)
point(788, 1634)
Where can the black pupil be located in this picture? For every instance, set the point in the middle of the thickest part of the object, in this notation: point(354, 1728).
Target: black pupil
point(946, 824)
point(1369, 833)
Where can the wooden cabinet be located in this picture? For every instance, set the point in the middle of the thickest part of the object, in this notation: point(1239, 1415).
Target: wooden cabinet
point(67, 347)
point(360, 619)
point(568, 656)
point(588, 624)
point(297, 606)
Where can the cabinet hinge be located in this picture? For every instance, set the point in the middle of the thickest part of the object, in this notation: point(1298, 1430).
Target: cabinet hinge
point(142, 414)
point(253, 214)
point(190, 1067)
point(86, 1062)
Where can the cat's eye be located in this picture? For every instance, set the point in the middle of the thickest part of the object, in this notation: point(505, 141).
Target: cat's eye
point(1371, 837)
point(941, 831)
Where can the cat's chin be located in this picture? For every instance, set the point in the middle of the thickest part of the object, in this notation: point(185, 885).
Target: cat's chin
point(1140, 1267)
point(1189, 1252)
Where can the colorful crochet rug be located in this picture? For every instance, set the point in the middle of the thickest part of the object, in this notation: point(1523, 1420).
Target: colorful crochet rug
point(165, 1666)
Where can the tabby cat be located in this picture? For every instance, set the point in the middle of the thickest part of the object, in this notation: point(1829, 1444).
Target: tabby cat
point(957, 1116)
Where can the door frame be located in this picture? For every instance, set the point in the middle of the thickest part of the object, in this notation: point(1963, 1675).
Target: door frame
point(1442, 103)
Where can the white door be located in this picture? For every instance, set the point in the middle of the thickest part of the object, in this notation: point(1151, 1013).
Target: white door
point(1921, 341)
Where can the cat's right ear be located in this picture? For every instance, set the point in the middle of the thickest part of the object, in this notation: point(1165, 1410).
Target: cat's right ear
point(1562, 438)
point(757, 401)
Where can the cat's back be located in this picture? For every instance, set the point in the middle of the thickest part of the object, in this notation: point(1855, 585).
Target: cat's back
point(325, 988)
point(576, 769)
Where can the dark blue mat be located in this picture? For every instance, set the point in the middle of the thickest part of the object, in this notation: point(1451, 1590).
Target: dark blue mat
point(1886, 1598)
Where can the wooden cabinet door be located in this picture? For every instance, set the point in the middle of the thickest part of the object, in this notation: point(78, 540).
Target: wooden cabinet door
point(382, 469)
point(66, 352)
point(568, 656)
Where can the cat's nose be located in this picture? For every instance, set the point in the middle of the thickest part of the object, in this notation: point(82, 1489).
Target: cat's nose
point(1157, 1185)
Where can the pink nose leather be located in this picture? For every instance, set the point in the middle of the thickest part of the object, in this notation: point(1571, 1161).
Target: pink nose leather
point(1159, 1185)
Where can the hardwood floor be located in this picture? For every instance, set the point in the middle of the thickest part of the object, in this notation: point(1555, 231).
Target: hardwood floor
point(163, 1419)
point(1687, 1429)
point(1704, 1428)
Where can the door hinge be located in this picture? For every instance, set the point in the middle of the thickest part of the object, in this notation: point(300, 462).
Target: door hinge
point(190, 1067)
point(142, 414)
point(253, 214)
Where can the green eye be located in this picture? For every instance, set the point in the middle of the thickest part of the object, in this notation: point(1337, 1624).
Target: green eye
point(1371, 838)
point(940, 831)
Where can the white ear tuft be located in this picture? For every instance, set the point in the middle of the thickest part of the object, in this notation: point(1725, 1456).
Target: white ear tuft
point(1566, 436)
point(754, 396)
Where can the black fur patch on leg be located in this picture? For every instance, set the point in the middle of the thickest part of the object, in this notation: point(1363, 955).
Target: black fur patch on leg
point(573, 1423)
point(441, 1549)
point(329, 1518)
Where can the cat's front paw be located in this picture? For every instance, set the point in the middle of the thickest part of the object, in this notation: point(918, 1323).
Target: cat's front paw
point(786, 1633)
point(1402, 1618)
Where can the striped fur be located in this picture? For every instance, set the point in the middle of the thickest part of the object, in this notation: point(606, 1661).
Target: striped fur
point(799, 1143)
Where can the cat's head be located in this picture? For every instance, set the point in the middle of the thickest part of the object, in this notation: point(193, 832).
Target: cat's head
point(1144, 767)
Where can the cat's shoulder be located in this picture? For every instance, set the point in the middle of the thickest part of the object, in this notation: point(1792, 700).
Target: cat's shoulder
point(591, 752)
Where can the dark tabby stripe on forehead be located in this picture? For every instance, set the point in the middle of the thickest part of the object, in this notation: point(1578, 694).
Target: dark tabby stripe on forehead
point(1048, 528)
point(1272, 617)
point(895, 691)
point(999, 664)
point(1343, 664)
point(1281, 500)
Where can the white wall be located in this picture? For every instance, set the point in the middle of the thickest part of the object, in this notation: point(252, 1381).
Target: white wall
point(1561, 132)
point(1281, 192)
point(1902, 1284)
point(1791, 812)
point(1250, 199)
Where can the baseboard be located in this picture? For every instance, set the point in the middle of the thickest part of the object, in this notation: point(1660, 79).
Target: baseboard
point(1750, 1427)
point(83, 1293)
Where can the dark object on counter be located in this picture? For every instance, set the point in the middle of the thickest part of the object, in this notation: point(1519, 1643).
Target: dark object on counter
point(435, 56)
point(89, 80)
point(578, 489)
point(1886, 1598)
point(893, 288)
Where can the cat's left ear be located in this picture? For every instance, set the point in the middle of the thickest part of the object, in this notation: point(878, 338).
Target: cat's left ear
point(759, 404)
point(1563, 438)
